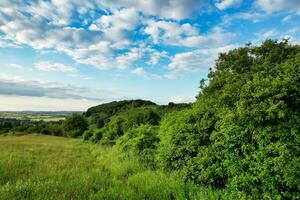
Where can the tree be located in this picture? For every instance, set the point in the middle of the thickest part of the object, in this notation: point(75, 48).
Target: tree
point(75, 125)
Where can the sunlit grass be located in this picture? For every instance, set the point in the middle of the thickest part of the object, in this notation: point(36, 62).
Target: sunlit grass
point(47, 167)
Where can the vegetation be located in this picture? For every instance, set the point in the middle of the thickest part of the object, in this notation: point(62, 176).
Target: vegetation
point(75, 125)
point(47, 167)
point(54, 116)
point(242, 134)
point(239, 139)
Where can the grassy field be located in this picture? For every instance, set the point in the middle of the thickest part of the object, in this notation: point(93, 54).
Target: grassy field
point(47, 167)
point(35, 116)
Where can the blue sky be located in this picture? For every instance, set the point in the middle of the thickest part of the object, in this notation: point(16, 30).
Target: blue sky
point(71, 54)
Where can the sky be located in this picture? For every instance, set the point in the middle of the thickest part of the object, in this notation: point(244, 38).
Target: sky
point(72, 54)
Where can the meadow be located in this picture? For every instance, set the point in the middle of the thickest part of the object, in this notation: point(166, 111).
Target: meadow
point(35, 116)
point(49, 167)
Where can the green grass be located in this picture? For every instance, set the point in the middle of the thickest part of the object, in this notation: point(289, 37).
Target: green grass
point(47, 167)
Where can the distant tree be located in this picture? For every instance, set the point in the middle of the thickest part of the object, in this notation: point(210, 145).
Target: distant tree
point(75, 125)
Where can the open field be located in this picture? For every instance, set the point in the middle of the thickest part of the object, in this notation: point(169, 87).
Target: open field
point(48, 167)
point(35, 116)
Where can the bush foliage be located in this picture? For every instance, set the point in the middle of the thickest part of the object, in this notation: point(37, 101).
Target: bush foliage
point(243, 131)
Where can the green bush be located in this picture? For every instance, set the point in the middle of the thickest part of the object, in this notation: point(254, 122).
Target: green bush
point(141, 141)
point(121, 123)
point(243, 131)
point(75, 125)
point(87, 135)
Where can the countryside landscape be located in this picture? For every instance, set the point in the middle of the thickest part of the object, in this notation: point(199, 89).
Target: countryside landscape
point(150, 100)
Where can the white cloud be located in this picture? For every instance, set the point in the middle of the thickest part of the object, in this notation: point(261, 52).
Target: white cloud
point(142, 72)
point(196, 60)
point(16, 66)
point(48, 66)
point(287, 18)
point(217, 37)
point(19, 86)
point(166, 9)
point(138, 71)
point(94, 27)
point(127, 59)
point(225, 4)
point(156, 56)
point(268, 34)
point(36, 88)
point(169, 31)
point(116, 25)
point(107, 42)
point(5, 41)
point(182, 99)
point(253, 16)
point(292, 6)
point(172, 33)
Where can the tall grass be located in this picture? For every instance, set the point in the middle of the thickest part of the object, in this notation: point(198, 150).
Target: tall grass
point(47, 167)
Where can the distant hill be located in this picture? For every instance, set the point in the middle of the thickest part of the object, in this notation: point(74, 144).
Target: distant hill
point(115, 107)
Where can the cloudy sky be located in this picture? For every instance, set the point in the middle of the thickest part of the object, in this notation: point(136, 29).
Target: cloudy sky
point(72, 54)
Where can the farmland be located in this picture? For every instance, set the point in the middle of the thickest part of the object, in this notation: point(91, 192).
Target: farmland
point(35, 116)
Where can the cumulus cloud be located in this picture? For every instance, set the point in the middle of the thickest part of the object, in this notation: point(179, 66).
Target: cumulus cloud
point(292, 6)
point(196, 60)
point(106, 42)
point(138, 71)
point(169, 31)
point(5, 41)
point(225, 4)
point(49, 66)
point(156, 56)
point(115, 26)
point(166, 9)
point(182, 99)
point(172, 33)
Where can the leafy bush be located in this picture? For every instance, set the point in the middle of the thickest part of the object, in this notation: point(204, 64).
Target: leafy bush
point(243, 131)
point(87, 135)
point(75, 125)
point(121, 123)
point(140, 141)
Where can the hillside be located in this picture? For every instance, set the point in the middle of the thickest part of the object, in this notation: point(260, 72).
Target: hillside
point(112, 108)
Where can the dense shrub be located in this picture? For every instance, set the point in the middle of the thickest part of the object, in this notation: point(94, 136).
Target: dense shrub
point(243, 131)
point(75, 125)
point(140, 141)
point(121, 123)
point(5, 127)
point(87, 135)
